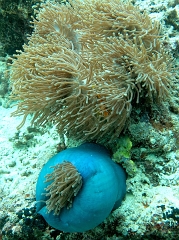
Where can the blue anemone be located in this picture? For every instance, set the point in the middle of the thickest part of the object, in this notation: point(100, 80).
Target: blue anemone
point(103, 188)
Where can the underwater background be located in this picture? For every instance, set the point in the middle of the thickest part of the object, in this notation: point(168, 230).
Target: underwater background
point(147, 147)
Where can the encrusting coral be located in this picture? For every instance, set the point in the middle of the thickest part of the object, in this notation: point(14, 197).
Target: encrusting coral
point(84, 64)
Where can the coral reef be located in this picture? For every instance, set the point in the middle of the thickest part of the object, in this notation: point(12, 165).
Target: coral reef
point(4, 81)
point(15, 23)
point(150, 209)
point(84, 65)
point(31, 226)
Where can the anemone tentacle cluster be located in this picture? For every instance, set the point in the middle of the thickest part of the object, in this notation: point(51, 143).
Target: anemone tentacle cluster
point(84, 64)
point(65, 183)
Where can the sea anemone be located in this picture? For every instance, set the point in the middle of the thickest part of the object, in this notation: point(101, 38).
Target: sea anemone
point(79, 187)
point(84, 64)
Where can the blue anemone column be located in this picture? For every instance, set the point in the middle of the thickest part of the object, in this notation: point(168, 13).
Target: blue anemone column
point(102, 186)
